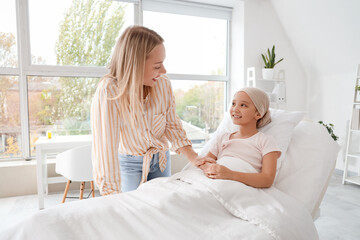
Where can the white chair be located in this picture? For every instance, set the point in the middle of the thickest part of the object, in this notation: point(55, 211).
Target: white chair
point(75, 165)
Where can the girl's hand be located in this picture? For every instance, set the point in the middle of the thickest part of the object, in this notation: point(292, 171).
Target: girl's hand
point(217, 171)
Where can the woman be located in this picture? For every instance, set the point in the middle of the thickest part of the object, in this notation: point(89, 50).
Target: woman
point(133, 116)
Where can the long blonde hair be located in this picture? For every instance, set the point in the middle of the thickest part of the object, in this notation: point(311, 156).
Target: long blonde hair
point(127, 68)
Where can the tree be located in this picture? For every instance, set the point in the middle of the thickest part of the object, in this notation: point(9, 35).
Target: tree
point(9, 94)
point(201, 105)
point(12, 146)
point(88, 32)
point(87, 35)
point(8, 59)
point(7, 50)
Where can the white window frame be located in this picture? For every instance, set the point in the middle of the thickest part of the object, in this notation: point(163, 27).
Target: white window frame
point(203, 10)
point(26, 68)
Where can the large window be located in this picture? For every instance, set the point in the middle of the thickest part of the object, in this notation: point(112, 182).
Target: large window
point(10, 132)
point(10, 126)
point(8, 51)
point(194, 45)
point(60, 105)
point(196, 62)
point(79, 32)
point(53, 54)
point(200, 105)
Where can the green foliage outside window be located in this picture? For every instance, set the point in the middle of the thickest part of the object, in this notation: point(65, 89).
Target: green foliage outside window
point(202, 105)
point(87, 34)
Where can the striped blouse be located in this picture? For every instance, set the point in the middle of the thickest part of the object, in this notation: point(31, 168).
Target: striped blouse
point(111, 136)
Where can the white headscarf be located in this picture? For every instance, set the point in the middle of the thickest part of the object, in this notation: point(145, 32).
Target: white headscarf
point(261, 102)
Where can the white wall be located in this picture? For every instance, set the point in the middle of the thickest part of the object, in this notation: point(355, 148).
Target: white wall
point(11, 185)
point(237, 44)
point(262, 29)
point(320, 43)
point(326, 38)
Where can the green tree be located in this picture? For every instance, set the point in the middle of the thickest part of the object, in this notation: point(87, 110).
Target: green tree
point(87, 35)
point(88, 32)
point(202, 105)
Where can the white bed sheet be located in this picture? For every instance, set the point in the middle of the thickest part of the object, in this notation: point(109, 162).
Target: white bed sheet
point(187, 205)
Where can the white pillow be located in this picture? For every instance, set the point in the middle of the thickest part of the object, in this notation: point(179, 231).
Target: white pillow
point(281, 128)
point(309, 161)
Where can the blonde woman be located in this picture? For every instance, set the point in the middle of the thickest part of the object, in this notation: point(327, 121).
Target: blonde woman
point(133, 116)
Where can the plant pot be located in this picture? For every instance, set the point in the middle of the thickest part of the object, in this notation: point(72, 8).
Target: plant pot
point(268, 73)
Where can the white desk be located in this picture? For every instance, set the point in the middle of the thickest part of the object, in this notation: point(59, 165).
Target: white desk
point(56, 144)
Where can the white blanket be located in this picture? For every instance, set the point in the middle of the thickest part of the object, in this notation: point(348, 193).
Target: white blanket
point(187, 205)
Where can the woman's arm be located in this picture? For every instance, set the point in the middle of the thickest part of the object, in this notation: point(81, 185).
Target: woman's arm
point(193, 157)
point(106, 136)
point(207, 161)
point(264, 179)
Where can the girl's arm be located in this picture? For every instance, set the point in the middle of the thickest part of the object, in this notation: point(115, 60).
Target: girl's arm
point(264, 179)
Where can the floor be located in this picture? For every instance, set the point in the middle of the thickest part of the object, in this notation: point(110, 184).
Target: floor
point(340, 210)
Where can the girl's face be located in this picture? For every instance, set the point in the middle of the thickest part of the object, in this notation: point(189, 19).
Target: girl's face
point(154, 65)
point(243, 110)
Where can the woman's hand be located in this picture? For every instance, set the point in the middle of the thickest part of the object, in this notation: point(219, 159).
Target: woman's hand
point(217, 171)
point(205, 166)
point(200, 161)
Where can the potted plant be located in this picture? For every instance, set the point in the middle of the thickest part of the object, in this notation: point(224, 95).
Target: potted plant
point(330, 129)
point(269, 61)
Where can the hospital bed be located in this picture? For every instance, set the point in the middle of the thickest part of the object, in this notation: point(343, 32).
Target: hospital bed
point(189, 205)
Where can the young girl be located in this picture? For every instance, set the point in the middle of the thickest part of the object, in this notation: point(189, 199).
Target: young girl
point(249, 110)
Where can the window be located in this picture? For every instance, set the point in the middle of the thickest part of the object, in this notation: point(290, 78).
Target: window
point(10, 132)
point(200, 105)
point(8, 51)
point(194, 45)
point(196, 62)
point(10, 127)
point(77, 33)
point(60, 105)
point(64, 46)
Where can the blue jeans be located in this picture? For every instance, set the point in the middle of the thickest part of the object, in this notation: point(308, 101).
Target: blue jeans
point(131, 170)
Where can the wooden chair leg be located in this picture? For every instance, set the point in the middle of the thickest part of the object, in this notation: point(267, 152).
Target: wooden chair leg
point(82, 186)
point(92, 188)
point(66, 191)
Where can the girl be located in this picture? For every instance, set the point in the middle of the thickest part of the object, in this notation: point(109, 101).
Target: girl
point(249, 110)
point(133, 116)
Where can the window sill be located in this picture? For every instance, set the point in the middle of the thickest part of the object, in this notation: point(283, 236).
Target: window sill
point(17, 163)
